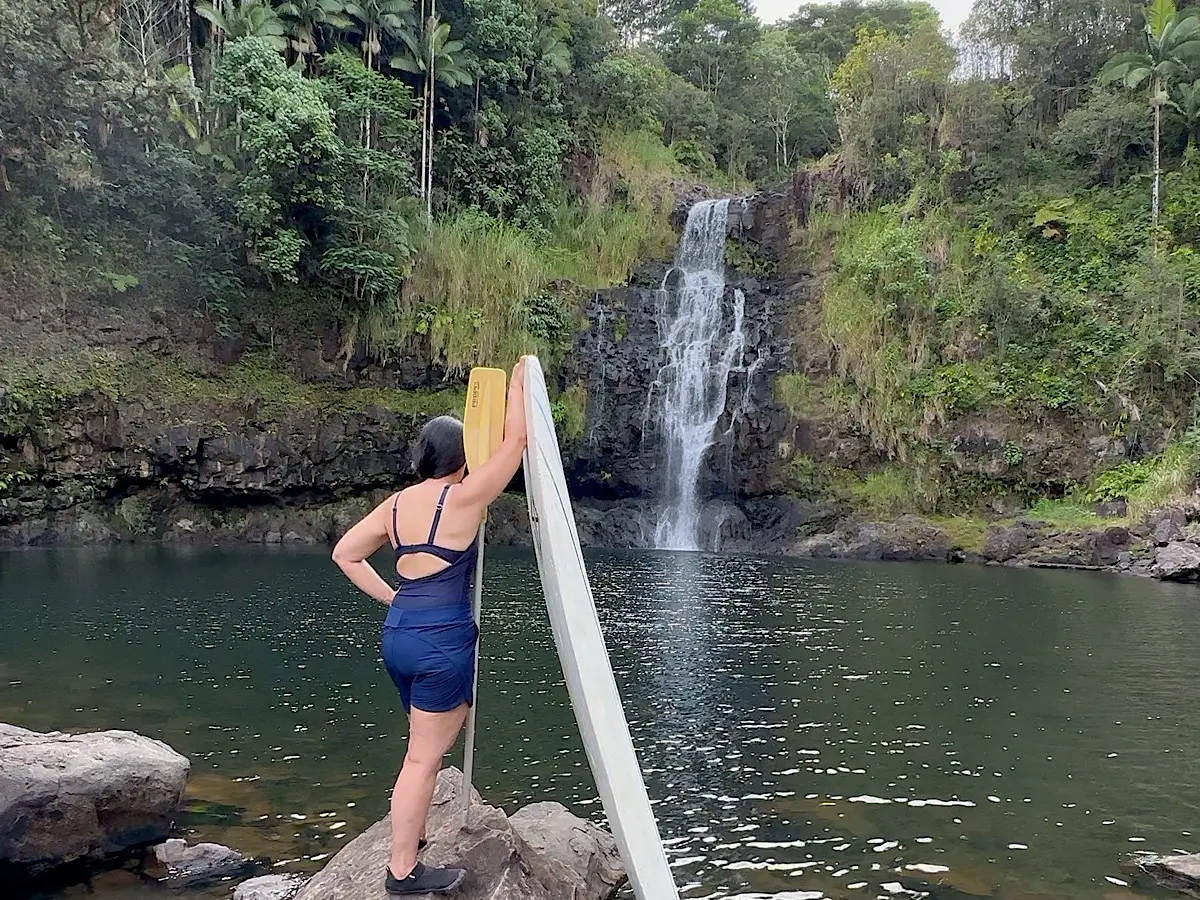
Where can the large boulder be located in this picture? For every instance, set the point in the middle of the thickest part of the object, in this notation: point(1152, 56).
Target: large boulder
point(542, 853)
point(65, 798)
point(1177, 561)
point(1004, 544)
point(581, 854)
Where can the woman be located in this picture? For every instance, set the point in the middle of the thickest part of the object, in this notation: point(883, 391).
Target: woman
point(429, 635)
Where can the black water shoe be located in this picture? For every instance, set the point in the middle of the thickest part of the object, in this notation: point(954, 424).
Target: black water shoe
point(424, 880)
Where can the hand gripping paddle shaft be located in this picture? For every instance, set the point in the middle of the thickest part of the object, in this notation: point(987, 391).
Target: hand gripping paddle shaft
point(483, 430)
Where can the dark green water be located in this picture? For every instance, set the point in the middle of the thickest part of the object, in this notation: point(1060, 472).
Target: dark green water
point(806, 730)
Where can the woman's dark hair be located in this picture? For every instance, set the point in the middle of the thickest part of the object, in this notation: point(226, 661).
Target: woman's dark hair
point(439, 451)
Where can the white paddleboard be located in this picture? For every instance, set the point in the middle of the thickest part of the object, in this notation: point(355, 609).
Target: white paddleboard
point(583, 655)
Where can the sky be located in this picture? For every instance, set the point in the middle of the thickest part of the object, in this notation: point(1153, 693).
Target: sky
point(952, 11)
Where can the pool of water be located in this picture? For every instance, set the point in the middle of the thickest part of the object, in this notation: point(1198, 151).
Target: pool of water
point(806, 730)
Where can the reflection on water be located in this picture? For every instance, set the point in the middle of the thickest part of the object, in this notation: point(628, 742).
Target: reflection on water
point(806, 730)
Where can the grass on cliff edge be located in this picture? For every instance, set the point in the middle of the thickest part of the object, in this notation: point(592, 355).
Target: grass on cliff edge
point(35, 389)
point(484, 291)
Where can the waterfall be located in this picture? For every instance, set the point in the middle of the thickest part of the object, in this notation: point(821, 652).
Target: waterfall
point(702, 347)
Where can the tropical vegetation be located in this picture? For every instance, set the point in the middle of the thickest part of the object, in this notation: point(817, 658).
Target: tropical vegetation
point(1001, 224)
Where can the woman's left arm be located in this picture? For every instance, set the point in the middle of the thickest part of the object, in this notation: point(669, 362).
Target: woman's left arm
point(355, 548)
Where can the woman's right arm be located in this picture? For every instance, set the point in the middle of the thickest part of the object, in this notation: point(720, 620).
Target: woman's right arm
point(353, 552)
point(489, 481)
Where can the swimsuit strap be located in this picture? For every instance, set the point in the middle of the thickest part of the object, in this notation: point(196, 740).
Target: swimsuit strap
point(437, 516)
point(395, 533)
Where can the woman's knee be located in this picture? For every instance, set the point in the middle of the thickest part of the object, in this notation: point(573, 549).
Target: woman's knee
point(423, 759)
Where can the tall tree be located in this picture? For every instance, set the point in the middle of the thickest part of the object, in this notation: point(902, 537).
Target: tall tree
point(1049, 50)
point(890, 95)
point(432, 55)
point(790, 95)
point(1172, 48)
point(709, 44)
point(830, 29)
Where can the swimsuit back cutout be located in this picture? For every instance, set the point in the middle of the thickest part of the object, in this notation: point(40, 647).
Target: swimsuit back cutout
point(450, 586)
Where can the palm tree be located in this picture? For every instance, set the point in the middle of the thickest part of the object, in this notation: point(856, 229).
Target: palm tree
point(376, 18)
point(1172, 46)
point(305, 19)
point(435, 57)
point(249, 18)
point(1187, 104)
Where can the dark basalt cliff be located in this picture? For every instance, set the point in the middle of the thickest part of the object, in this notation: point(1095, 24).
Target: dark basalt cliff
point(222, 458)
point(130, 463)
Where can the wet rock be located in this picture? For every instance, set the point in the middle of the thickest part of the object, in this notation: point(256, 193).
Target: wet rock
point(182, 864)
point(723, 525)
point(1111, 546)
point(908, 539)
point(820, 546)
point(541, 853)
point(616, 525)
point(65, 798)
point(1168, 527)
point(1178, 873)
point(270, 887)
point(1004, 544)
point(783, 517)
point(1112, 509)
point(580, 855)
point(1177, 561)
point(914, 539)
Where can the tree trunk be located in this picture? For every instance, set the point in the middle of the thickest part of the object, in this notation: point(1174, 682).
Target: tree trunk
point(429, 161)
point(432, 82)
point(424, 118)
point(1157, 161)
point(185, 13)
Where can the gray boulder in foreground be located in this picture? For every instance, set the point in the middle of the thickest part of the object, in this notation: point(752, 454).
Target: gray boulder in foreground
point(270, 887)
point(65, 797)
point(1179, 873)
point(542, 853)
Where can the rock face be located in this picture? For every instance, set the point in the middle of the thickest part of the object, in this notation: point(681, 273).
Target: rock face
point(908, 539)
point(541, 853)
point(67, 798)
point(270, 887)
point(181, 864)
point(618, 360)
point(101, 468)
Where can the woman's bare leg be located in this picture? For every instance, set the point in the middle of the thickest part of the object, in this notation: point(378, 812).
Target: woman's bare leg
point(430, 737)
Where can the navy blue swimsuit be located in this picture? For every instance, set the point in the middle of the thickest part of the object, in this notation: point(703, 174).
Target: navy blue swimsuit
point(429, 635)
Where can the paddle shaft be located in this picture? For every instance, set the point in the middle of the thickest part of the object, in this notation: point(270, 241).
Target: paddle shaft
point(476, 611)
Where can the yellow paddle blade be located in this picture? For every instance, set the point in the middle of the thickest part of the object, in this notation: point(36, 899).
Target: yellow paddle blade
point(483, 421)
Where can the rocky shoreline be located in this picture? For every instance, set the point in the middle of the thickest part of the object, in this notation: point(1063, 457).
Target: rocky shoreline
point(1164, 544)
point(72, 806)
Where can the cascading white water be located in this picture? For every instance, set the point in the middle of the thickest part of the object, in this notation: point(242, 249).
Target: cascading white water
point(702, 346)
